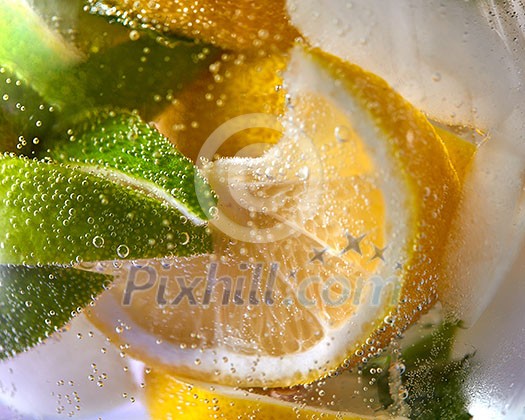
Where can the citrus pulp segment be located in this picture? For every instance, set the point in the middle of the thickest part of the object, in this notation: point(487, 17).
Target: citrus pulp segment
point(234, 85)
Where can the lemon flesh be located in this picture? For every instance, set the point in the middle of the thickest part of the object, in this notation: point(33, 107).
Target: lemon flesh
point(235, 85)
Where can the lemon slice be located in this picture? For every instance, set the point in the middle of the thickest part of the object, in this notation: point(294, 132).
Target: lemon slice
point(234, 85)
point(240, 25)
point(168, 397)
point(325, 247)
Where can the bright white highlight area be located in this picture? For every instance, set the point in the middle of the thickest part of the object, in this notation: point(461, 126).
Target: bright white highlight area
point(448, 58)
point(77, 371)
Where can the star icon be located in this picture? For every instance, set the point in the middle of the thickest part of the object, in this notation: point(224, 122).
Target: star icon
point(353, 244)
point(379, 253)
point(318, 255)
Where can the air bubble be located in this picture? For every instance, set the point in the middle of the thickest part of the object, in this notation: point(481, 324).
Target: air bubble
point(98, 241)
point(263, 34)
point(134, 35)
point(303, 173)
point(186, 237)
point(342, 134)
point(402, 393)
point(214, 212)
point(122, 251)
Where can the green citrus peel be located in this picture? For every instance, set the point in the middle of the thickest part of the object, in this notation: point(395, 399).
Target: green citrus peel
point(35, 302)
point(123, 146)
point(56, 214)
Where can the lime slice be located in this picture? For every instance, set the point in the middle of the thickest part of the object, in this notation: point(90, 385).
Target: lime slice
point(36, 53)
point(135, 74)
point(122, 146)
point(143, 74)
point(55, 214)
point(89, 33)
point(25, 117)
point(34, 302)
